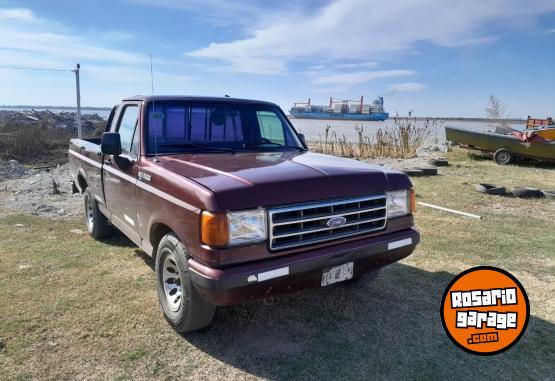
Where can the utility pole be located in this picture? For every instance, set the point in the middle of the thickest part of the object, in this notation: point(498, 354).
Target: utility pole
point(78, 90)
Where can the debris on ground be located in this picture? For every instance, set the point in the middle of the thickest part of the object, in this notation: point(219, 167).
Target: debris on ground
point(32, 191)
point(11, 169)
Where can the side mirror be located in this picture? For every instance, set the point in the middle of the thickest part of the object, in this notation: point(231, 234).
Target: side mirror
point(110, 143)
point(302, 138)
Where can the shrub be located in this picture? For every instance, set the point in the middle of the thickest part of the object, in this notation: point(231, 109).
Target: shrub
point(400, 140)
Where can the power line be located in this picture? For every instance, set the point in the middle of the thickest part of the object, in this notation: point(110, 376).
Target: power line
point(32, 68)
point(77, 86)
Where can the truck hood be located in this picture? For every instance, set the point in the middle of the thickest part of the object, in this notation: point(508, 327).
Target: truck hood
point(253, 179)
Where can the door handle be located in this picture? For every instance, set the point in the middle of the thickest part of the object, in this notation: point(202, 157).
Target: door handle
point(108, 162)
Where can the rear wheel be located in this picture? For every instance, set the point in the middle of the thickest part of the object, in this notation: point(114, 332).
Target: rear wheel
point(503, 156)
point(182, 305)
point(97, 224)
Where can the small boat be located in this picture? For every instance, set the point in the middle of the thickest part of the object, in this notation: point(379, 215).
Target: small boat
point(506, 147)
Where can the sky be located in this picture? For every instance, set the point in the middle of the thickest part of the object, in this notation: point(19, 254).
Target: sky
point(434, 57)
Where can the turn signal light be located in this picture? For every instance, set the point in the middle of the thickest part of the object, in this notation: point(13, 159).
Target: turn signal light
point(412, 195)
point(214, 229)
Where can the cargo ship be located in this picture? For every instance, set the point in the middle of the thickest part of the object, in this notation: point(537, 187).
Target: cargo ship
point(349, 109)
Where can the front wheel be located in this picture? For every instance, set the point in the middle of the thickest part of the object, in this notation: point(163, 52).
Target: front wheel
point(98, 225)
point(182, 305)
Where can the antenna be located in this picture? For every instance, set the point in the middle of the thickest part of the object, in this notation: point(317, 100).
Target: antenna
point(153, 112)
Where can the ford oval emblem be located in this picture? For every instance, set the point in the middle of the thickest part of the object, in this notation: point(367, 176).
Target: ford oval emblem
point(335, 222)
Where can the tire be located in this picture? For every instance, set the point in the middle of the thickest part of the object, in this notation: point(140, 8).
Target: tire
point(549, 194)
point(362, 280)
point(490, 189)
point(97, 224)
point(503, 156)
point(428, 171)
point(182, 305)
point(527, 192)
point(413, 172)
point(439, 162)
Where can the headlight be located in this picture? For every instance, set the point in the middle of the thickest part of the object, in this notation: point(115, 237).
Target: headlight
point(233, 228)
point(246, 227)
point(398, 203)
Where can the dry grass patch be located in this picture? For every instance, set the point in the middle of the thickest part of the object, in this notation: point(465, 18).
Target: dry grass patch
point(399, 140)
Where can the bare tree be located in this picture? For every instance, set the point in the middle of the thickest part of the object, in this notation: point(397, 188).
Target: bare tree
point(495, 109)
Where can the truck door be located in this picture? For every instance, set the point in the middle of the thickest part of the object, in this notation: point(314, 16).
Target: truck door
point(120, 173)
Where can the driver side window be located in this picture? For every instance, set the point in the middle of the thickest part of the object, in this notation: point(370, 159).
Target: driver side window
point(127, 130)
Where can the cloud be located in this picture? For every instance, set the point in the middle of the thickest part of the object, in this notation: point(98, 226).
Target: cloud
point(357, 65)
point(47, 40)
point(404, 88)
point(358, 29)
point(220, 13)
point(551, 31)
point(106, 71)
point(361, 76)
point(18, 14)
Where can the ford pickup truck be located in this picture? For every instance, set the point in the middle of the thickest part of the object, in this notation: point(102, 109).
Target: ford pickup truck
point(224, 194)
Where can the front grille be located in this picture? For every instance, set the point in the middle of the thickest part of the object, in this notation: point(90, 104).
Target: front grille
point(305, 224)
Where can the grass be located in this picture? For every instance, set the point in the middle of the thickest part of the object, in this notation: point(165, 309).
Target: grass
point(400, 140)
point(88, 309)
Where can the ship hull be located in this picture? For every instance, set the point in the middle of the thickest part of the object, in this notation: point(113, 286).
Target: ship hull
point(377, 116)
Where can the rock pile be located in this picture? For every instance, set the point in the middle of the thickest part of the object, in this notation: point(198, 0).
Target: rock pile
point(42, 192)
point(61, 120)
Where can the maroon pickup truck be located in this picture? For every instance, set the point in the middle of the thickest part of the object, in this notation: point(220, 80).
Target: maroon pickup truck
point(227, 198)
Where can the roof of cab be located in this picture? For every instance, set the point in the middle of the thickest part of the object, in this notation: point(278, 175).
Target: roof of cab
point(189, 98)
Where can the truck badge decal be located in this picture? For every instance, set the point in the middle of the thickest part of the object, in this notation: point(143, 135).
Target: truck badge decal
point(335, 222)
point(144, 176)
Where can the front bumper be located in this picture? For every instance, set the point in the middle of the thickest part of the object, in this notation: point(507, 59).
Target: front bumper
point(295, 272)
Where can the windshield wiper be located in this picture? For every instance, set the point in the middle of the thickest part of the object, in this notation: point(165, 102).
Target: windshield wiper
point(200, 146)
point(262, 146)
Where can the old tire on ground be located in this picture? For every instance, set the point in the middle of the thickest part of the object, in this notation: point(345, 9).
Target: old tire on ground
point(549, 194)
point(503, 156)
point(182, 305)
point(439, 162)
point(428, 171)
point(490, 189)
point(97, 224)
point(525, 192)
point(362, 280)
point(413, 172)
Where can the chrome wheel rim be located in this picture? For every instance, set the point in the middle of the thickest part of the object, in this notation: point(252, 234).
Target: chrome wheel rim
point(89, 216)
point(172, 283)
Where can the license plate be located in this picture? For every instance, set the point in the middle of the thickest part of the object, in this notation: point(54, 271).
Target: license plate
point(337, 274)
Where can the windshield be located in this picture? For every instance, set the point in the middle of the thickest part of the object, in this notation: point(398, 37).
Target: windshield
point(178, 127)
